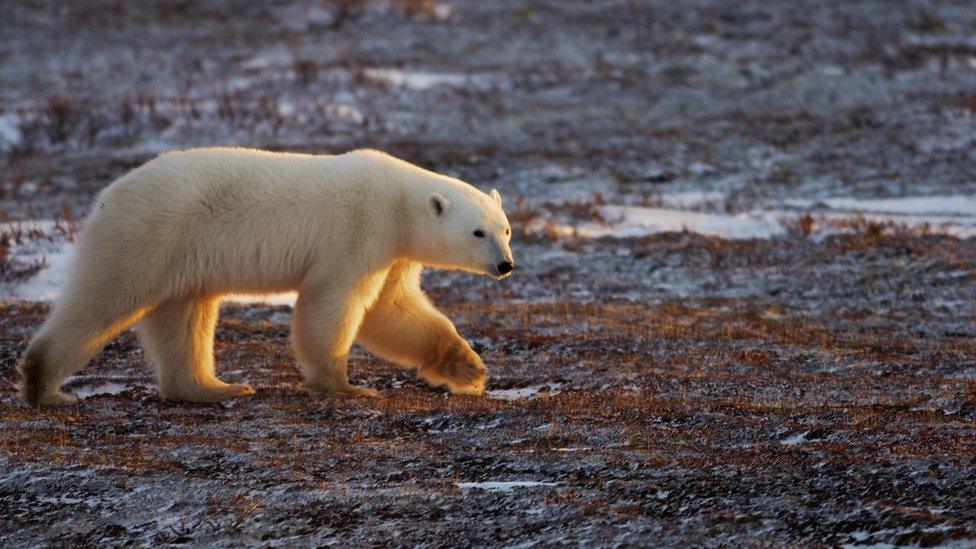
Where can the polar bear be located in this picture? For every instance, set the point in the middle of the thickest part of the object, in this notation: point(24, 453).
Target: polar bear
point(350, 233)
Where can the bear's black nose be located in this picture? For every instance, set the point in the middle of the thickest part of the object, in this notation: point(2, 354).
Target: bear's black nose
point(505, 267)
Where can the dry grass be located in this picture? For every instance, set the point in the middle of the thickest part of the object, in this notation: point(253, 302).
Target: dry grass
point(656, 412)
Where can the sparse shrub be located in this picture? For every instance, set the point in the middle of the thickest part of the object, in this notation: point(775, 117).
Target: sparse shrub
point(415, 8)
point(306, 70)
point(346, 10)
point(800, 226)
point(61, 116)
point(65, 224)
point(13, 268)
point(521, 216)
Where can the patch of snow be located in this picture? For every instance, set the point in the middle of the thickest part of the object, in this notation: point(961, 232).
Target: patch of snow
point(47, 283)
point(105, 388)
point(953, 215)
point(280, 317)
point(949, 215)
point(634, 221)
point(764, 158)
point(502, 486)
point(533, 391)
point(10, 134)
point(960, 205)
point(967, 42)
point(277, 57)
point(64, 500)
point(346, 112)
point(239, 83)
point(48, 248)
point(959, 227)
point(967, 374)
point(861, 537)
point(420, 80)
point(317, 15)
point(442, 12)
point(699, 168)
point(799, 438)
point(693, 199)
point(286, 108)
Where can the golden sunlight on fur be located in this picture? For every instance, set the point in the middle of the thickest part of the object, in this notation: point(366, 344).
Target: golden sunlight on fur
point(351, 233)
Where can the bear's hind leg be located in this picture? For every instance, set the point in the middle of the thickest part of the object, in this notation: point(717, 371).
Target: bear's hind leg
point(68, 340)
point(178, 338)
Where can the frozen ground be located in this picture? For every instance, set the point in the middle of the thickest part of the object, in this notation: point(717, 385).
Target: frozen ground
point(744, 310)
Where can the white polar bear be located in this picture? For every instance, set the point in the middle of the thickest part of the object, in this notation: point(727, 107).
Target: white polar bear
point(351, 233)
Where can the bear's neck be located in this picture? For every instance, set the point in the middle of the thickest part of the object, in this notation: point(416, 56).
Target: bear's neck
point(420, 242)
point(409, 216)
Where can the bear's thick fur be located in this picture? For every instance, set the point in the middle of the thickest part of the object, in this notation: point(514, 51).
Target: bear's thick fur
point(351, 233)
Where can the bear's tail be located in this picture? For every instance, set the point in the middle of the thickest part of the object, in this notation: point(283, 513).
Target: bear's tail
point(32, 373)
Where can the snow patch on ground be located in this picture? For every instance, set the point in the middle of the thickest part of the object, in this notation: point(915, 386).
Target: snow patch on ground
point(274, 58)
point(958, 205)
point(104, 388)
point(10, 134)
point(637, 221)
point(46, 285)
point(953, 215)
point(533, 391)
point(949, 215)
point(829, 222)
point(693, 199)
point(420, 80)
point(502, 486)
point(793, 440)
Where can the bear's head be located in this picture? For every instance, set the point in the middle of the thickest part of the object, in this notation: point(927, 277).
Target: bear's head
point(466, 229)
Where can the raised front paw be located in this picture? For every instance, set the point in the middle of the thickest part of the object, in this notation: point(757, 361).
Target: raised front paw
point(459, 369)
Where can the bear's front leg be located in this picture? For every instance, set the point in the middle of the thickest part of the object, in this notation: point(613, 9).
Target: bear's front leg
point(403, 326)
point(457, 367)
point(325, 324)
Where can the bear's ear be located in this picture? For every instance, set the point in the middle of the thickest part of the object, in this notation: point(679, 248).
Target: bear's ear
point(496, 197)
point(438, 204)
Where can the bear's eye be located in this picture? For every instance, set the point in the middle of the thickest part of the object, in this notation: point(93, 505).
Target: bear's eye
point(508, 232)
point(479, 233)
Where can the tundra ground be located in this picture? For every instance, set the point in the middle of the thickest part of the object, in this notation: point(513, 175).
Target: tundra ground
point(798, 366)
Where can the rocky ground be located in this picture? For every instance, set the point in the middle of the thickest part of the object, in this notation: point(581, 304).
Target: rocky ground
point(808, 381)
